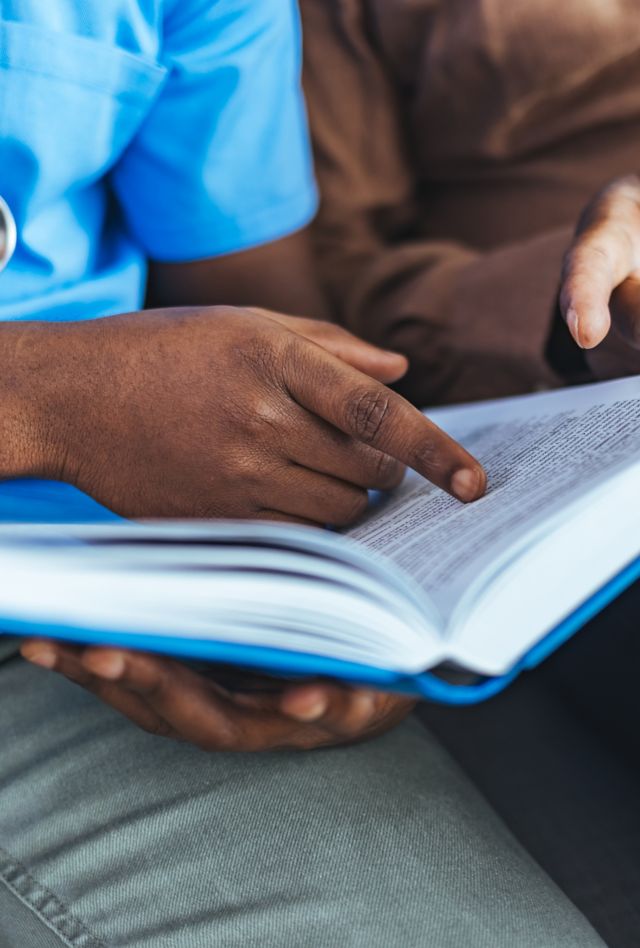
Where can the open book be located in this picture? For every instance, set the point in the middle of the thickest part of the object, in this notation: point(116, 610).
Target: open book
point(422, 586)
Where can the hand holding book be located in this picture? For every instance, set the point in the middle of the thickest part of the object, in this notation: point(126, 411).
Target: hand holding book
point(422, 581)
point(297, 427)
point(169, 699)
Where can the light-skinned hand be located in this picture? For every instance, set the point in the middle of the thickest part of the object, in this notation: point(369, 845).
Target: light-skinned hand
point(600, 290)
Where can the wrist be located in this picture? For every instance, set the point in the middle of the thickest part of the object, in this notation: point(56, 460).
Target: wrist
point(31, 381)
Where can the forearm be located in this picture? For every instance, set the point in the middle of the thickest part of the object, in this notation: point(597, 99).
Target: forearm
point(46, 368)
point(280, 276)
point(473, 324)
point(31, 378)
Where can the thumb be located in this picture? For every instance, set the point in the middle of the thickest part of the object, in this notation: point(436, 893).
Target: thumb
point(380, 364)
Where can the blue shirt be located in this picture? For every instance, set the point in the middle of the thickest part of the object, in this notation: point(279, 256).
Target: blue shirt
point(136, 129)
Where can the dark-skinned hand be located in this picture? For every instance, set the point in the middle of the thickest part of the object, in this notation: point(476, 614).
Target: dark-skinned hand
point(223, 412)
point(168, 699)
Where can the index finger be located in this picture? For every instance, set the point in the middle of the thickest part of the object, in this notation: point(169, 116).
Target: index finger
point(372, 414)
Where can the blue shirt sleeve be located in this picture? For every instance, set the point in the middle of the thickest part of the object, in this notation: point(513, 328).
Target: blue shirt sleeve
point(222, 161)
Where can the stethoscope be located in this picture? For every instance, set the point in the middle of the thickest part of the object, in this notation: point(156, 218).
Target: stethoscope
point(8, 234)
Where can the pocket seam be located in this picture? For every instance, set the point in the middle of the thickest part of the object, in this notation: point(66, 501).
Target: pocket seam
point(28, 62)
point(45, 905)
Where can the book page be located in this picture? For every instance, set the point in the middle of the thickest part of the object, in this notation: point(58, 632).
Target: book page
point(542, 453)
point(216, 585)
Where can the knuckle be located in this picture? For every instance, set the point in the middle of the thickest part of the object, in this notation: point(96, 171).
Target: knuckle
point(580, 259)
point(268, 414)
point(366, 413)
point(601, 252)
point(589, 249)
point(157, 687)
point(388, 471)
point(264, 421)
point(156, 691)
point(427, 455)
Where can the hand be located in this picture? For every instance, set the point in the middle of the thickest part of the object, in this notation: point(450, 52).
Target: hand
point(600, 291)
point(167, 699)
point(226, 412)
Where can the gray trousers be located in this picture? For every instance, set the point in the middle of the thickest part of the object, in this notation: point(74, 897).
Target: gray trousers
point(112, 837)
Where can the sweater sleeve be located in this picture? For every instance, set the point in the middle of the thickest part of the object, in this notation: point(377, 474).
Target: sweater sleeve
point(474, 323)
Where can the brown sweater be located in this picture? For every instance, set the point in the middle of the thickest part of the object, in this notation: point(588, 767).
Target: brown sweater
point(456, 142)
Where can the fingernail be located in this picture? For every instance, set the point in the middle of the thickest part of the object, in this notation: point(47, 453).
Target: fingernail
point(366, 705)
point(105, 665)
point(573, 322)
point(466, 484)
point(40, 655)
point(310, 712)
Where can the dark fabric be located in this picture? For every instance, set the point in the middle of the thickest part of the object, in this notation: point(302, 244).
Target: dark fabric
point(456, 142)
point(558, 756)
point(8, 647)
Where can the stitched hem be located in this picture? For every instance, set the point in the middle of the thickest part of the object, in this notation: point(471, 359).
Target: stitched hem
point(46, 906)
